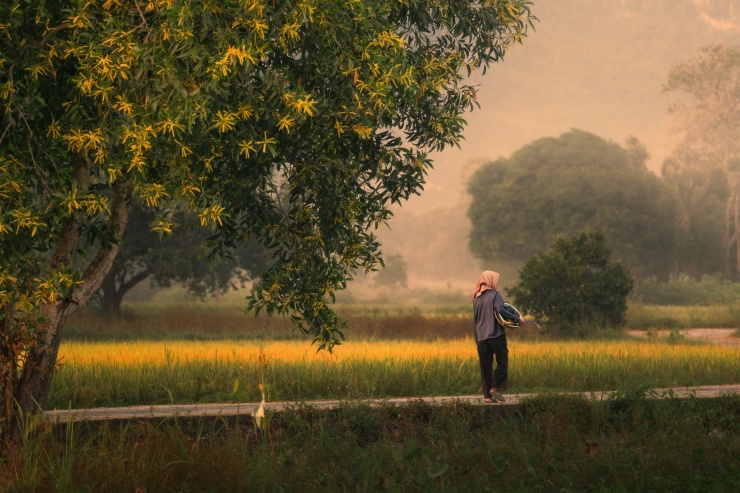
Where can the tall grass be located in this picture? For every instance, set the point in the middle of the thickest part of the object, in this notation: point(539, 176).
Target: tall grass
point(96, 374)
point(710, 291)
point(203, 321)
point(553, 444)
point(641, 316)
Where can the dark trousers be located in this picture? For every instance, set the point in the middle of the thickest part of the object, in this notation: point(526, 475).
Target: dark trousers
point(487, 349)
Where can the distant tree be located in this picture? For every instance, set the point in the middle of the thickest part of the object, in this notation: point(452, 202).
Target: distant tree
point(564, 185)
point(181, 257)
point(637, 151)
point(575, 284)
point(393, 274)
point(706, 102)
point(701, 190)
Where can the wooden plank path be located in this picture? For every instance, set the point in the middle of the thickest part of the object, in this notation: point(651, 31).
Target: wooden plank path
point(230, 410)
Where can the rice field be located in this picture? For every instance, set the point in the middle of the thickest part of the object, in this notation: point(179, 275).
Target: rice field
point(93, 374)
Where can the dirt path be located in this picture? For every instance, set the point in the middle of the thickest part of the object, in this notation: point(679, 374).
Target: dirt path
point(249, 408)
point(715, 336)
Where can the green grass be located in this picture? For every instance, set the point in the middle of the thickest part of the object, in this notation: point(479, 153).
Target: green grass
point(710, 291)
point(640, 316)
point(555, 443)
point(201, 321)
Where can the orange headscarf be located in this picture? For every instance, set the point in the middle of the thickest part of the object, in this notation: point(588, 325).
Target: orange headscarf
point(488, 280)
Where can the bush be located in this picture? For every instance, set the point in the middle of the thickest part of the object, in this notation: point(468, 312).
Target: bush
point(575, 284)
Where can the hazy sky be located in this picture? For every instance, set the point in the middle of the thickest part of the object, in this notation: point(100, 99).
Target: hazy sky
point(596, 65)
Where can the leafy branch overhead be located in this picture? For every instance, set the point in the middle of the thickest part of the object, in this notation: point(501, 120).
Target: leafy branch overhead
point(294, 122)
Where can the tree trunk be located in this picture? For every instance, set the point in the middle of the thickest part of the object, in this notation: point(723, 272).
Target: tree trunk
point(113, 294)
point(31, 389)
point(736, 236)
point(111, 297)
point(727, 237)
point(8, 374)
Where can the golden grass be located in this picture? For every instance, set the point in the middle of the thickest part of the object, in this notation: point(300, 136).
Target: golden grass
point(156, 352)
point(95, 374)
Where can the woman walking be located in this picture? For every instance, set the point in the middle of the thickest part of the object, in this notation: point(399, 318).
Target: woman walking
point(490, 336)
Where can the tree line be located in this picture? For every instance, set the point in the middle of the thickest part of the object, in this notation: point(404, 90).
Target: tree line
point(145, 256)
point(685, 222)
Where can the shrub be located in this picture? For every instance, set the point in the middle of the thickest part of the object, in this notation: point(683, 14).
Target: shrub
point(575, 284)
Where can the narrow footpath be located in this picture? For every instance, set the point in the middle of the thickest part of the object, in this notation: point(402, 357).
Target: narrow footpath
point(229, 410)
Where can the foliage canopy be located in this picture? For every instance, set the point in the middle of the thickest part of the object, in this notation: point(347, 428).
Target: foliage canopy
point(295, 122)
point(705, 92)
point(567, 184)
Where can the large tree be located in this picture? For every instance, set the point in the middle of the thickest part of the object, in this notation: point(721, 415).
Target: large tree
point(706, 102)
point(295, 122)
point(566, 185)
point(144, 255)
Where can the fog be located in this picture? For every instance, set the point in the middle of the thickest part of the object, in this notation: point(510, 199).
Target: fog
point(594, 65)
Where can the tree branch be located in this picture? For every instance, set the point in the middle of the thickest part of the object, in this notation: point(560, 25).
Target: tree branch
point(99, 267)
point(125, 286)
point(141, 13)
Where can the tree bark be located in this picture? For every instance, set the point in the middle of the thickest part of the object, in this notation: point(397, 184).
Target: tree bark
point(32, 388)
point(7, 365)
point(111, 300)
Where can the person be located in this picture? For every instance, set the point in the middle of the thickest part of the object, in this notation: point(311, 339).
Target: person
point(490, 336)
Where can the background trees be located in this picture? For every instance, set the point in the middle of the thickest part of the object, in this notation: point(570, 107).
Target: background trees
point(295, 123)
point(568, 184)
point(575, 284)
point(706, 102)
point(182, 257)
point(393, 274)
point(701, 191)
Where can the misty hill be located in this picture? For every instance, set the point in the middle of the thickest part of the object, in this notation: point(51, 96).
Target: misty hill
point(595, 65)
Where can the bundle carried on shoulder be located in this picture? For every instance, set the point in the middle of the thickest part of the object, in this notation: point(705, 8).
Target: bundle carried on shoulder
point(508, 317)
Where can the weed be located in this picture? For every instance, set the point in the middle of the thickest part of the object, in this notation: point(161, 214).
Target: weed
point(676, 337)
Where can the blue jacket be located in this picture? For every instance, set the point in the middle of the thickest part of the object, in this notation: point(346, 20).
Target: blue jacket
point(486, 325)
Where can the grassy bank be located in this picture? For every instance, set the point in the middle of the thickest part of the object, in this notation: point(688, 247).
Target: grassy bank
point(641, 316)
point(555, 444)
point(211, 321)
point(156, 372)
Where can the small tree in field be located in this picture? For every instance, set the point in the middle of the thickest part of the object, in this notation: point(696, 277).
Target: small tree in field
point(575, 284)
